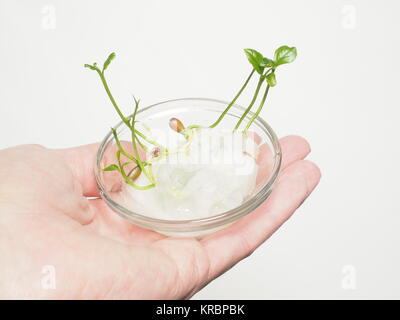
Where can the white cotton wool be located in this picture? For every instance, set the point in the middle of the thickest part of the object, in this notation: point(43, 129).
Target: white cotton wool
point(215, 172)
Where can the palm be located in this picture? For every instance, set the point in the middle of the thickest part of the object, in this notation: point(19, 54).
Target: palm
point(47, 220)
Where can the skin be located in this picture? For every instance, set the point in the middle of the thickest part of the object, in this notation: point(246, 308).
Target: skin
point(46, 219)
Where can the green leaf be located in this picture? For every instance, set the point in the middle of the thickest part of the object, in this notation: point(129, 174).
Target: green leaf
point(90, 66)
point(267, 63)
point(112, 167)
point(255, 58)
point(271, 79)
point(285, 54)
point(108, 61)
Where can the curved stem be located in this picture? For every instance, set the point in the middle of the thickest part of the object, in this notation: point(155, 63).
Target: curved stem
point(135, 148)
point(104, 81)
point(233, 101)
point(194, 126)
point(260, 81)
point(120, 148)
point(136, 158)
point(255, 115)
point(148, 140)
point(141, 144)
point(123, 118)
point(129, 180)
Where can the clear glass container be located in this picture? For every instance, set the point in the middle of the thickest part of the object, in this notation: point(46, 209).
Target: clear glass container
point(197, 111)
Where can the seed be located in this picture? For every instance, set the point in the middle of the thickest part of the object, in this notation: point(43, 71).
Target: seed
point(176, 125)
point(134, 173)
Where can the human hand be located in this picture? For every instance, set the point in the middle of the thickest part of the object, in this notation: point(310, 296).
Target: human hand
point(46, 219)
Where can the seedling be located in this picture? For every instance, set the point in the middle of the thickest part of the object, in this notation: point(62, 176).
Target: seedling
point(266, 68)
point(263, 66)
point(141, 165)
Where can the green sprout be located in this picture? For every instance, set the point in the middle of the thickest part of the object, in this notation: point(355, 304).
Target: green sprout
point(266, 68)
point(263, 66)
point(141, 166)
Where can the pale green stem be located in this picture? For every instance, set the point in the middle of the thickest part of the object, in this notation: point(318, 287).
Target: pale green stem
point(129, 180)
point(135, 148)
point(233, 101)
point(255, 115)
point(260, 81)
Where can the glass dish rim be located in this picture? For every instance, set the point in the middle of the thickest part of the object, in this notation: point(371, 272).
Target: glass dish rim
point(216, 220)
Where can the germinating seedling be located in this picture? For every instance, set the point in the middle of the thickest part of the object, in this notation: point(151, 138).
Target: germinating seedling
point(142, 170)
point(141, 165)
point(266, 68)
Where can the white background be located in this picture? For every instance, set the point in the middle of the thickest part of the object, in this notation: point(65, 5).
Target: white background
point(342, 94)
